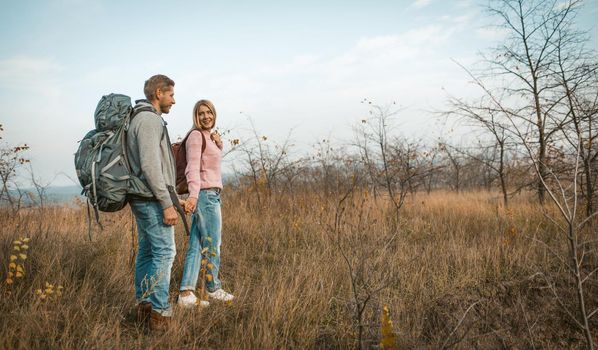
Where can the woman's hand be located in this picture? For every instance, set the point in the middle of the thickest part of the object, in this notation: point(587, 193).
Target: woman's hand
point(215, 136)
point(190, 205)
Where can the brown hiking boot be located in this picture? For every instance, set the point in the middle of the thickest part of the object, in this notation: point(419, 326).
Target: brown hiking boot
point(158, 323)
point(144, 309)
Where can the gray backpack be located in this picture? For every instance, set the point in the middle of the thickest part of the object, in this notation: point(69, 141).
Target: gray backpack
point(101, 161)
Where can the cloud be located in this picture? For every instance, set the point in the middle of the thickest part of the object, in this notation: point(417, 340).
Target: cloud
point(421, 3)
point(492, 33)
point(465, 3)
point(30, 74)
point(565, 4)
point(395, 49)
point(463, 19)
point(25, 66)
point(317, 93)
point(297, 64)
point(322, 93)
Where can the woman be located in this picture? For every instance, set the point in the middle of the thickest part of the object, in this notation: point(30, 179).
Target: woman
point(205, 184)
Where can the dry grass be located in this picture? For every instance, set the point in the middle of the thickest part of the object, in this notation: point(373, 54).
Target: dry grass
point(283, 261)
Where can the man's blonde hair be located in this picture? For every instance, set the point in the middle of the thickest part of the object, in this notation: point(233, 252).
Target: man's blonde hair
point(157, 82)
point(207, 103)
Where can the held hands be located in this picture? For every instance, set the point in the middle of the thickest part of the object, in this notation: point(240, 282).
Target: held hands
point(190, 205)
point(170, 216)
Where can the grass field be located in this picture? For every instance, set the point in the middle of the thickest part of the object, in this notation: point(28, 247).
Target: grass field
point(456, 270)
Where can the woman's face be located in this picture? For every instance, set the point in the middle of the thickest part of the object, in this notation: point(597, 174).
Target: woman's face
point(206, 117)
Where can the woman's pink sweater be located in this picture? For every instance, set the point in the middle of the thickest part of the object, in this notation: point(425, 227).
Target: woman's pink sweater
point(203, 170)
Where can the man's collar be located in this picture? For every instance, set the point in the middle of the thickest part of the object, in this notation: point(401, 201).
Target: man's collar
point(145, 101)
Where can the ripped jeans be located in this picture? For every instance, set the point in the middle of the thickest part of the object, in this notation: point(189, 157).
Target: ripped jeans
point(206, 232)
point(155, 255)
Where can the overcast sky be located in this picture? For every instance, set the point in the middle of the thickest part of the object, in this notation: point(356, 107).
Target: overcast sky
point(304, 65)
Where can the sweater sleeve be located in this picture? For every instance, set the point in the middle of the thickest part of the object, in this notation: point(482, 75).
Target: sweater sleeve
point(149, 137)
point(193, 147)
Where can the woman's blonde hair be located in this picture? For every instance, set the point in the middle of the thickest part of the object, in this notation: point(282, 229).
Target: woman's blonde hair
point(207, 103)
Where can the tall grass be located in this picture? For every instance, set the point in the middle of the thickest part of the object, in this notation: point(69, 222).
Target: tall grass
point(284, 262)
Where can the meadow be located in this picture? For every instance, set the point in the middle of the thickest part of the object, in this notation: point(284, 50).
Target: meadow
point(309, 270)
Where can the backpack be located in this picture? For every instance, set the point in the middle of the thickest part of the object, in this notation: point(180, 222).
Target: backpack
point(101, 160)
point(179, 150)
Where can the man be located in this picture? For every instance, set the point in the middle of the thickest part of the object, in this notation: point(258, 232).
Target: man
point(152, 161)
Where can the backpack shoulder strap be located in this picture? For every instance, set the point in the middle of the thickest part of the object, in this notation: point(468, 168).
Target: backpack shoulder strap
point(203, 140)
point(139, 110)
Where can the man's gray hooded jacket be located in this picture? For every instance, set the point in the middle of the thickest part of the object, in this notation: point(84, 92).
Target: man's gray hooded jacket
point(150, 155)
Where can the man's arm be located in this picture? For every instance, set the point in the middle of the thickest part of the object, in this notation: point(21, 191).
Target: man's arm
point(148, 138)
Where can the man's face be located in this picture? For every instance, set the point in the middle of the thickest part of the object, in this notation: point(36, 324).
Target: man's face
point(206, 117)
point(165, 99)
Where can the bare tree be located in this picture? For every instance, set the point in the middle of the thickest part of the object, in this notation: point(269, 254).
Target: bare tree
point(548, 66)
point(431, 167)
point(574, 229)
point(455, 164)
point(577, 74)
point(382, 154)
point(563, 192)
point(326, 160)
point(363, 141)
point(266, 162)
point(11, 160)
point(526, 61)
point(487, 118)
point(363, 267)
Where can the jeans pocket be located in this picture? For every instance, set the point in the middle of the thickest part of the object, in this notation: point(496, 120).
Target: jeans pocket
point(213, 197)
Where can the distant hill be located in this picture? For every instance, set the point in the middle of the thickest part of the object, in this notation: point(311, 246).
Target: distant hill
point(62, 194)
point(65, 194)
point(54, 194)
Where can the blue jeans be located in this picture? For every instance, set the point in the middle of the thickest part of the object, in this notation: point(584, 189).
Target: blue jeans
point(156, 251)
point(206, 232)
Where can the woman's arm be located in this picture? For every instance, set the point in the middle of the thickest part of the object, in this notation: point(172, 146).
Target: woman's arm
point(194, 147)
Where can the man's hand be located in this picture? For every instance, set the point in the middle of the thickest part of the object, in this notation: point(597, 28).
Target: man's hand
point(190, 205)
point(170, 217)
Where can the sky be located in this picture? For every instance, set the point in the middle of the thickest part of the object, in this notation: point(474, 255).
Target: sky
point(303, 66)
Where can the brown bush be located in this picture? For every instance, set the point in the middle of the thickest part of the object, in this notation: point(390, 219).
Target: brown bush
point(292, 284)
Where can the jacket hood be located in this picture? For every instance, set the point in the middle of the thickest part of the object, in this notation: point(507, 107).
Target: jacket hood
point(145, 103)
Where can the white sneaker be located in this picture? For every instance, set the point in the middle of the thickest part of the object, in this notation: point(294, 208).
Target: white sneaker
point(220, 294)
point(190, 301)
